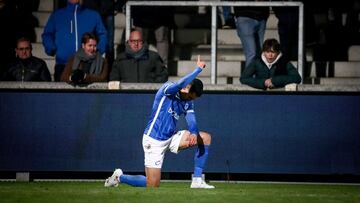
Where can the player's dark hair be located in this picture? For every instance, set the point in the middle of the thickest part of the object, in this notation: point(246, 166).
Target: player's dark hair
point(197, 87)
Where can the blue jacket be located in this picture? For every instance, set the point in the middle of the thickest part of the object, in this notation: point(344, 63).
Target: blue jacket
point(65, 27)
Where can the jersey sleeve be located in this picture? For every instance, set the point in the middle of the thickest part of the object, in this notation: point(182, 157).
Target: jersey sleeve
point(173, 88)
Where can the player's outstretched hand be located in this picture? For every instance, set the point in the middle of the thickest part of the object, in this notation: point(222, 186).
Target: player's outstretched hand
point(200, 63)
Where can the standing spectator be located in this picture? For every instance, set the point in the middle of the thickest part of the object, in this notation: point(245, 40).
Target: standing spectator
point(271, 70)
point(63, 31)
point(138, 63)
point(27, 67)
point(352, 24)
point(288, 29)
point(327, 30)
point(250, 26)
point(87, 65)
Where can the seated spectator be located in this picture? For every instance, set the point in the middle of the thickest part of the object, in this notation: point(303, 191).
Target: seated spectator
point(87, 65)
point(138, 63)
point(107, 10)
point(271, 70)
point(26, 67)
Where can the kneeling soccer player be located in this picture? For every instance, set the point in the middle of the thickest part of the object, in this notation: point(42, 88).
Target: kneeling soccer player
point(171, 101)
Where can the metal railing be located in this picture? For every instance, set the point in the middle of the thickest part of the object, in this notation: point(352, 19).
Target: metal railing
point(214, 5)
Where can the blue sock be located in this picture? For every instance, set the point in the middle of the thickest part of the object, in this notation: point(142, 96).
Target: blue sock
point(133, 180)
point(200, 158)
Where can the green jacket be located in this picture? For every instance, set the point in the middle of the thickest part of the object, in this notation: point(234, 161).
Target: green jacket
point(281, 73)
point(148, 68)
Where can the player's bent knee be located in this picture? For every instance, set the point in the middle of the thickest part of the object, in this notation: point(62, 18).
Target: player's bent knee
point(206, 138)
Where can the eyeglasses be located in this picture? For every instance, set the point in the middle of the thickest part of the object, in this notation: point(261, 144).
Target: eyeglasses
point(24, 48)
point(133, 41)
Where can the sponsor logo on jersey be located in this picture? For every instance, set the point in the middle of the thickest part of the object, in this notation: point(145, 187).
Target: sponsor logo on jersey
point(173, 113)
point(186, 106)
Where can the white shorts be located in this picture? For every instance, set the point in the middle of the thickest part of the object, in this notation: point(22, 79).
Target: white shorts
point(154, 150)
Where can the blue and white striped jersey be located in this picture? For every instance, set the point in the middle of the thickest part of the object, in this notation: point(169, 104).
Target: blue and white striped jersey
point(168, 107)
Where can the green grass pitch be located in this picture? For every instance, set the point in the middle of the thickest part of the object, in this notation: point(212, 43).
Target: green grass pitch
point(173, 192)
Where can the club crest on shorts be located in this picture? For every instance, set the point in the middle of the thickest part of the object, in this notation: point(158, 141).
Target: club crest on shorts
point(147, 146)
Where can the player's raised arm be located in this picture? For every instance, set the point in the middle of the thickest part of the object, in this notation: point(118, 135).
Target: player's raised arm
point(200, 63)
point(174, 88)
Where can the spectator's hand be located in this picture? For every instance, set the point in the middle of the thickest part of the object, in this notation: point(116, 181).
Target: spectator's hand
point(77, 76)
point(200, 63)
point(193, 140)
point(268, 83)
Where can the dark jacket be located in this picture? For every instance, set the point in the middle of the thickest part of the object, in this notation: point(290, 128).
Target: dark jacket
point(31, 69)
point(149, 68)
point(281, 73)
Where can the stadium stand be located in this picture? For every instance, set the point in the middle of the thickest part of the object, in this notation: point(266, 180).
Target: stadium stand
point(192, 37)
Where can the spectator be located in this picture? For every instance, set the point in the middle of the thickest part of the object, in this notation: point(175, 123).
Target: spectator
point(271, 70)
point(138, 63)
point(327, 30)
point(107, 10)
point(87, 65)
point(26, 67)
point(250, 26)
point(63, 31)
point(288, 26)
point(352, 24)
point(158, 20)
